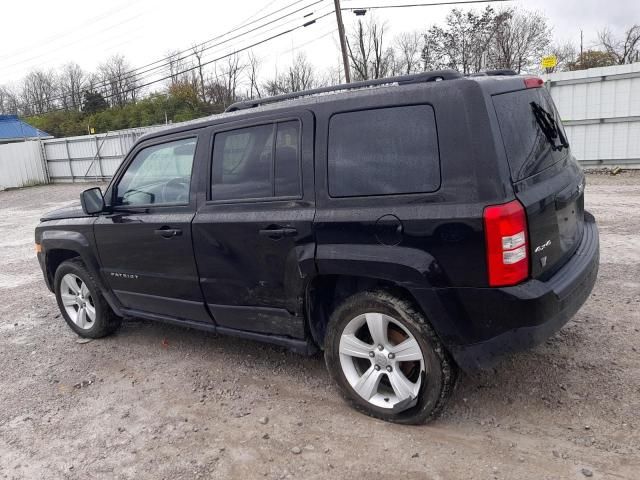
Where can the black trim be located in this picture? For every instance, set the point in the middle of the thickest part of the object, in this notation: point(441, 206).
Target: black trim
point(187, 309)
point(400, 80)
point(265, 320)
point(304, 347)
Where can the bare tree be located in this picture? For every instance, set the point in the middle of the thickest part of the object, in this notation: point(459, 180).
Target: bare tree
point(463, 42)
point(222, 87)
point(408, 47)
point(198, 50)
point(565, 54)
point(252, 74)
point(521, 39)
point(625, 50)
point(72, 83)
point(118, 82)
point(39, 90)
point(177, 63)
point(367, 53)
point(335, 75)
point(299, 76)
point(9, 101)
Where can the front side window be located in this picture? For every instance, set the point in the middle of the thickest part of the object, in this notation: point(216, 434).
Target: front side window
point(257, 162)
point(158, 175)
point(383, 151)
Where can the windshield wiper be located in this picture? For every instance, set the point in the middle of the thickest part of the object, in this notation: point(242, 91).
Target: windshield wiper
point(549, 127)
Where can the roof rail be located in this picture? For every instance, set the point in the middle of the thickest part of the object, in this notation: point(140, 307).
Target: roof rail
point(400, 80)
point(503, 72)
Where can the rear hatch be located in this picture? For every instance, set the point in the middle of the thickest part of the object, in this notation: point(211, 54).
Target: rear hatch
point(546, 178)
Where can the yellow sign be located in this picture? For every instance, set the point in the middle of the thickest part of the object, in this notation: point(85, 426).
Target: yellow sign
point(549, 61)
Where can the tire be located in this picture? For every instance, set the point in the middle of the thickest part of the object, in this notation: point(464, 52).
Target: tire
point(428, 382)
point(72, 279)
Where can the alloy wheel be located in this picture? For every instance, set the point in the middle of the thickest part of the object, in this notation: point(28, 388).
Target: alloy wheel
point(382, 360)
point(77, 301)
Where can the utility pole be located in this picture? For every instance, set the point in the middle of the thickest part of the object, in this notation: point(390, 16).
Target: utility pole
point(343, 42)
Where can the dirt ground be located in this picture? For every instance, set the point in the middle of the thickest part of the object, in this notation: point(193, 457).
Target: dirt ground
point(161, 402)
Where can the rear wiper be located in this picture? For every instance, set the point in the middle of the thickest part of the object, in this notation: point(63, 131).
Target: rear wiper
point(549, 127)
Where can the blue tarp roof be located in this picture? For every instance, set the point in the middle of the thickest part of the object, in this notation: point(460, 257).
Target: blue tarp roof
point(12, 128)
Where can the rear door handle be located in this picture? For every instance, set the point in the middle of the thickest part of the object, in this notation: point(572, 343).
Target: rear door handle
point(277, 232)
point(168, 232)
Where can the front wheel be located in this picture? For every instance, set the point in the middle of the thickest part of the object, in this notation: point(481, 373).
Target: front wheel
point(387, 360)
point(81, 303)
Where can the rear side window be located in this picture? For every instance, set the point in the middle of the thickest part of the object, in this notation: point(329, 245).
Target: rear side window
point(532, 132)
point(257, 162)
point(383, 151)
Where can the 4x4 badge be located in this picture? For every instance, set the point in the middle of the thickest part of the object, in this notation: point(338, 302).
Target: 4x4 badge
point(540, 248)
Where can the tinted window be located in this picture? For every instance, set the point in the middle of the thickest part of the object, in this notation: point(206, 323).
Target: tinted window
point(528, 149)
point(383, 151)
point(287, 165)
point(243, 166)
point(160, 174)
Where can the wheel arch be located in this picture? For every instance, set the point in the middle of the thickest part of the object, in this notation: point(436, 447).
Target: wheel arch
point(325, 292)
point(62, 245)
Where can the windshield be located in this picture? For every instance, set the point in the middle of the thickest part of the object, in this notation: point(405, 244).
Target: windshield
point(532, 132)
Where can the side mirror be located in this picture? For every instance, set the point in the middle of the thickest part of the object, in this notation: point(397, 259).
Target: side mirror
point(92, 201)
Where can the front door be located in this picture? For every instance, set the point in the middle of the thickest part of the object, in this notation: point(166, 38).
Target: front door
point(145, 244)
point(253, 236)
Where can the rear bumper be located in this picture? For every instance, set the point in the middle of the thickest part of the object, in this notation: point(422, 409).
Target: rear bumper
point(516, 318)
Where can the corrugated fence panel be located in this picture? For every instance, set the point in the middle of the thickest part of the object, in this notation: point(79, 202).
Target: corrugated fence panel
point(600, 108)
point(89, 157)
point(21, 164)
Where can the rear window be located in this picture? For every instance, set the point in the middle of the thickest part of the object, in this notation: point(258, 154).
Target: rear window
point(532, 133)
point(383, 152)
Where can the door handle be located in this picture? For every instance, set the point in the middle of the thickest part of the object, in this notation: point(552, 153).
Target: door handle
point(168, 232)
point(277, 232)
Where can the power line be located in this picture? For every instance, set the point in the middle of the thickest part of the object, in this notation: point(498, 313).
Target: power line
point(169, 60)
point(165, 60)
point(138, 87)
point(127, 75)
point(467, 2)
point(110, 27)
point(90, 22)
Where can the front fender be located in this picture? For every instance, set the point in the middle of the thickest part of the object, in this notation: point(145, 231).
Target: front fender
point(80, 242)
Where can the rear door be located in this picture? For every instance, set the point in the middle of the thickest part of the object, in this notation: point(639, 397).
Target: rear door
point(253, 235)
point(546, 178)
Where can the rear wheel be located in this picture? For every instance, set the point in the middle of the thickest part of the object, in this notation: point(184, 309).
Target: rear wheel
point(387, 360)
point(81, 303)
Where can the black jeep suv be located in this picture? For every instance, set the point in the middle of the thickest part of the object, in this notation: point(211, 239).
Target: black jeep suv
point(406, 226)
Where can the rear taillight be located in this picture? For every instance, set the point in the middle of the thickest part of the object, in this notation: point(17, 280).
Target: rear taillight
point(533, 82)
point(505, 230)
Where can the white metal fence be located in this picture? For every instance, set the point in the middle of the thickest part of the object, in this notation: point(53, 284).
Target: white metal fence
point(21, 164)
point(89, 157)
point(600, 109)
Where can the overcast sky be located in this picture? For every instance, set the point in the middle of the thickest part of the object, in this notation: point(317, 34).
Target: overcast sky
point(46, 34)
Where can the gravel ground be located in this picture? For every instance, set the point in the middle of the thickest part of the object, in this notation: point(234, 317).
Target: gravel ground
point(161, 402)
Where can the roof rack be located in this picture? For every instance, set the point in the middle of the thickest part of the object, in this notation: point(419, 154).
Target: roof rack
point(503, 72)
point(400, 80)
